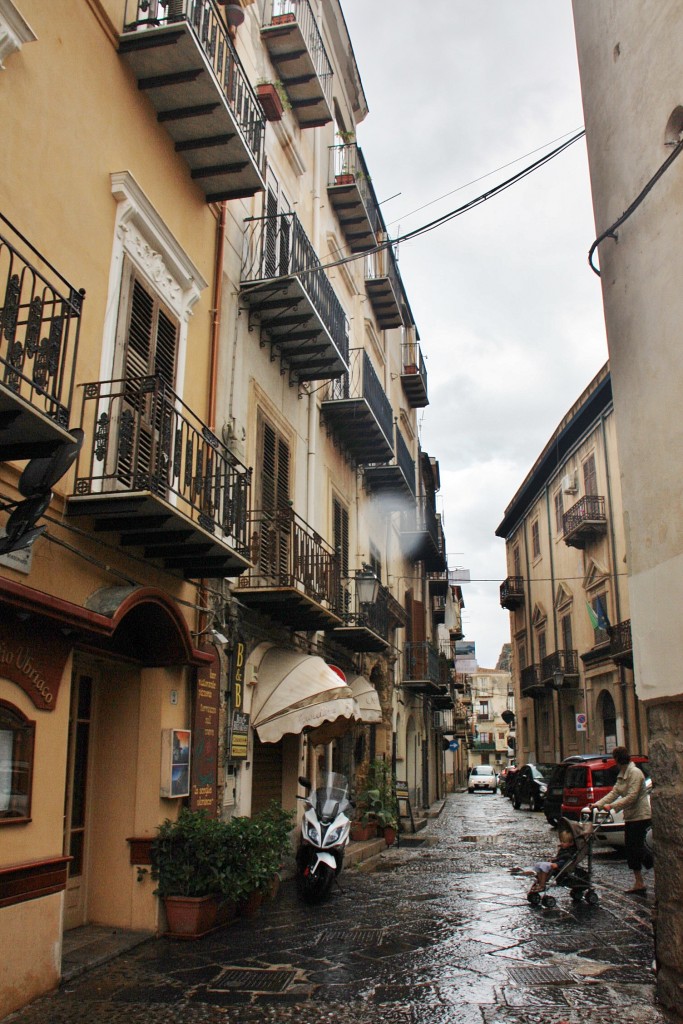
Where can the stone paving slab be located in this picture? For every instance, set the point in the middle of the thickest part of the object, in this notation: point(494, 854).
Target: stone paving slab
point(443, 934)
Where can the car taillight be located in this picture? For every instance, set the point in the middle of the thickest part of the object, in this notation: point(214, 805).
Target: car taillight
point(589, 794)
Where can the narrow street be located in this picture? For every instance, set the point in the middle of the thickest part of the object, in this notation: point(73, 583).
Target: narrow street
point(440, 932)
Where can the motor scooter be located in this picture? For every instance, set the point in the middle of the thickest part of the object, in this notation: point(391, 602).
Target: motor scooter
point(325, 829)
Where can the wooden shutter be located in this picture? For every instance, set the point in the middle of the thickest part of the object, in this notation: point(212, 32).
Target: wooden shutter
point(275, 544)
point(270, 236)
point(341, 547)
point(590, 481)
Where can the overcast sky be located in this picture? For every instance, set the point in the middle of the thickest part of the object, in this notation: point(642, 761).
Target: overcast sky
point(509, 313)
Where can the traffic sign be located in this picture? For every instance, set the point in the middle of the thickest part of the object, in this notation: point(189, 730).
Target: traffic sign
point(453, 745)
point(581, 722)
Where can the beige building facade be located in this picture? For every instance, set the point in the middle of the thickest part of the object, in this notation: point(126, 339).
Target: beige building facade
point(567, 593)
point(208, 449)
point(629, 67)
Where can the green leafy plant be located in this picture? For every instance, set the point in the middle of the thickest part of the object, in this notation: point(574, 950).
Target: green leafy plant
point(378, 801)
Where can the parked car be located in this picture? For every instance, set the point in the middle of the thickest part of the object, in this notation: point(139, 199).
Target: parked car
point(552, 804)
point(482, 776)
point(611, 831)
point(531, 785)
point(590, 779)
point(505, 777)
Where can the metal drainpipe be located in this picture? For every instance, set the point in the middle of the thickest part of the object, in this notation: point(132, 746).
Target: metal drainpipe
point(312, 402)
point(617, 608)
point(530, 633)
point(552, 597)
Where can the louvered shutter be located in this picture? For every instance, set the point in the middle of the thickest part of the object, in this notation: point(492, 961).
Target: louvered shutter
point(274, 544)
point(341, 547)
point(270, 236)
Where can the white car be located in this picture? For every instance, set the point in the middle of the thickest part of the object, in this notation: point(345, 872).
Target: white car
point(482, 777)
point(611, 825)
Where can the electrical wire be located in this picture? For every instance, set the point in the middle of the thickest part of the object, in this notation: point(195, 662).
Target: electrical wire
point(611, 231)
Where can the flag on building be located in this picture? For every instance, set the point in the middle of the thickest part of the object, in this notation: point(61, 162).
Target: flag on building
point(592, 616)
point(601, 611)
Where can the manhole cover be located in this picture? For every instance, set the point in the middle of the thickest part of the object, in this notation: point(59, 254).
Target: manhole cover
point(363, 936)
point(251, 979)
point(540, 975)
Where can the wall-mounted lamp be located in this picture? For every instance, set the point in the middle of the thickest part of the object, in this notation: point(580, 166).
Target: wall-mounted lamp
point(558, 679)
point(367, 585)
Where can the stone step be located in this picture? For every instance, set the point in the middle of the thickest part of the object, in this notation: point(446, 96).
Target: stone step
point(357, 853)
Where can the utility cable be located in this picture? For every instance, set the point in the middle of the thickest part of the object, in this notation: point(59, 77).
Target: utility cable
point(611, 231)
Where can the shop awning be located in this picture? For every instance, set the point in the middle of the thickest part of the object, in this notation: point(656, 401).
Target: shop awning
point(295, 691)
point(367, 698)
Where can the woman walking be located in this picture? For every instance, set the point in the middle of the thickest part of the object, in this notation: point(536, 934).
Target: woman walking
point(630, 795)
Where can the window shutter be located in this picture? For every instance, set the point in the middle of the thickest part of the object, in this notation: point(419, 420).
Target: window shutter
point(590, 481)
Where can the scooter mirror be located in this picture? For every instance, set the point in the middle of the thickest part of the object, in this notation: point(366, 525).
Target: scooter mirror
point(303, 781)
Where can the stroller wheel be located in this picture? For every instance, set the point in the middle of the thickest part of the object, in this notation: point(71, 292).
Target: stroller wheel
point(592, 897)
point(576, 895)
point(548, 901)
point(534, 899)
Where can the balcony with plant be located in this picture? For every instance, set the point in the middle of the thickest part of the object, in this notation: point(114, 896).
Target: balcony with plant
point(292, 37)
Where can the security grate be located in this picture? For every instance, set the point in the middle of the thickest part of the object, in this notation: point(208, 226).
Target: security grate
point(362, 936)
point(540, 975)
point(251, 979)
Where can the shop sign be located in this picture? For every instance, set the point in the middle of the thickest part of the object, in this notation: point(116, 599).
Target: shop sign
point(34, 658)
point(239, 736)
point(204, 776)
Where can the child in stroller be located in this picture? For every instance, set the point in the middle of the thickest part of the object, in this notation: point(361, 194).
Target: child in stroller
point(575, 846)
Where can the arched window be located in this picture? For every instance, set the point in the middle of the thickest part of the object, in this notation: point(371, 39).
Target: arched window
point(16, 764)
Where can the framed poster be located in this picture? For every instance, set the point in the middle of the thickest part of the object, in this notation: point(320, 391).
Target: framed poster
point(175, 763)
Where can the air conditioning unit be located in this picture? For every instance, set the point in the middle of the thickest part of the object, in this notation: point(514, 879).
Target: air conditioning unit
point(569, 483)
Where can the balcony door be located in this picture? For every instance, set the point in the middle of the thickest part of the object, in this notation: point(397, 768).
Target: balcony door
point(341, 546)
point(147, 347)
point(272, 536)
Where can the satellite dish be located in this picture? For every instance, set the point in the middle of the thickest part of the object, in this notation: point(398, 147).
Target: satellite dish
point(21, 529)
point(40, 475)
point(9, 544)
point(508, 716)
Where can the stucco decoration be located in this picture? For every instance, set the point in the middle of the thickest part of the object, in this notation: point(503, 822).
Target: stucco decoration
point(14, 31)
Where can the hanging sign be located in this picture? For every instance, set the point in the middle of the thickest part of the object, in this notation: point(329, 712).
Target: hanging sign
point(204, 777)
point(238, 736)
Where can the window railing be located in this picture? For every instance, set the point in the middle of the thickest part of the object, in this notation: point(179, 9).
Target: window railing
point(422, 518)
point(277, 247)
point(140, 436)
point(566, 662)
point(413, 360)
point(348, 167)
point(362, 382)
point(211, 32)
point(512, 590)
point(287, 552)
point(372, 616)
point(620, 637)
point(421, 662)
point(383, 264)
point(404, 461)
point(300, 11)
point(40, 321)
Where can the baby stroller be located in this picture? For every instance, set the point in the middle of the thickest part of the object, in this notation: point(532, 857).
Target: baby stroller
point(575, 874)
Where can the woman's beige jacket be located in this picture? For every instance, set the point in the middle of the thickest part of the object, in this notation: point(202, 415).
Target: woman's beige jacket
point(629, 794)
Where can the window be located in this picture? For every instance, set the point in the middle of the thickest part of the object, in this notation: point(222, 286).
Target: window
point(516, 562)
point(542, 648)
point(559, 512)
point(590, 480)
point(376, 561)
point(566, 628)
point(16, 764)
point(340, 534)
point(271, 543)
point(535, 539)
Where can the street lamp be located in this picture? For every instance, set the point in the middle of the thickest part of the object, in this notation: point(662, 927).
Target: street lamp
point(558, 678)
point(367, 585)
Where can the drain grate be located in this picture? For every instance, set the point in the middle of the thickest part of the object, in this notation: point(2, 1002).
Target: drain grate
point(362, 936)
point(251, 979)
point(540, 975)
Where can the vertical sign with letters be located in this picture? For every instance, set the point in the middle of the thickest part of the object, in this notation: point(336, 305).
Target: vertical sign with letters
point(204, 764)
point(239, 722)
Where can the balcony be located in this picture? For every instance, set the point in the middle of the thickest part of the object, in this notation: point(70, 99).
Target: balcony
point(512, 593)
point(621, 643)
point(447, 651)
point(438, 583)
point(40, 321)
point(151, 473)
point(438, 609)
point(531, 683)
point(421, 671)
point(414, 374)
point(422, 535)
point(584, 521)
point(483, 745)
point(561, 665)
point(358, 412)
point(365, 627)
point(442, 702)
point(395, 479)
point(351, 196)
point(296, 576)
point(293, 300)
point(382, 283)
point(184, 62)
point(296, 48)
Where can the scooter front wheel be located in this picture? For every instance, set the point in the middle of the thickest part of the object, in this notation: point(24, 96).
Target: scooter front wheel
point(314, 887)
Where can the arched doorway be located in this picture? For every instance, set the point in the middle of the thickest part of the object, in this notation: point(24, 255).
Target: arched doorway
point(607, 719)
point(413, 763)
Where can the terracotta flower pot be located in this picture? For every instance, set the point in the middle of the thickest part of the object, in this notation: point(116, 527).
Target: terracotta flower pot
point(270, 101)
point(360, 832)
point(250, 905)
point(190, 917)
point(389, 835)
point(283, 19)
point(344, 179)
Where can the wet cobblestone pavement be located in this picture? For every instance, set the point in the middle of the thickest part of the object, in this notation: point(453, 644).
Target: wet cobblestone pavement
point(440, 933)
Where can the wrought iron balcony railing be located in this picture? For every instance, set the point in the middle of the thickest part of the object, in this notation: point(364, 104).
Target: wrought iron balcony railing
point(531, 683)
point(142, 440)
point(621, 643)
point(40, 320)
point(297, 50)
point(397, 478)
point(383, 285)
point(285, 286)
point(359, 411)
point(184, 60)
point(564, 663)
point(584, 519)
point(414, 372)
point(352, 197)
point(422, 534)
point(421, 663)
point(365, 627)
point(512, 593)
point(296, 575)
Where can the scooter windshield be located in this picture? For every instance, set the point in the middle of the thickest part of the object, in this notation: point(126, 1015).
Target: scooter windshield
point(331, 797)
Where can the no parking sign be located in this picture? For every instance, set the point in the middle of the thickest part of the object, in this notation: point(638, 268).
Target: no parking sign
point(581, 724)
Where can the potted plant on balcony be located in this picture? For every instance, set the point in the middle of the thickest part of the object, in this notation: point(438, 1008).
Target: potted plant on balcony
point(283, 19)
point(273, 99)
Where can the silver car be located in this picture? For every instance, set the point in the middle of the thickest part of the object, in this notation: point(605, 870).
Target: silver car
point(482, 777)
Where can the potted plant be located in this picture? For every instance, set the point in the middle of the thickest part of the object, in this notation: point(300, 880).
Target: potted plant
point(193, 873)
point(379, 801)
point(257, 847)
point(273, 99)
point(283, 19)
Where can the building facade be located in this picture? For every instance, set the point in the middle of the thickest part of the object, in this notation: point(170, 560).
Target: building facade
point(567, 593)
point(222, 564)
point(628, 64)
